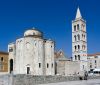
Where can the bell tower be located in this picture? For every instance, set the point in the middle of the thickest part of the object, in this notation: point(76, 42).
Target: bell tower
point(79, 41)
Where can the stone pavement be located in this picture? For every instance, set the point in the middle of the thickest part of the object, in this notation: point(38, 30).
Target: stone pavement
point(3, 80)
point(83, 82)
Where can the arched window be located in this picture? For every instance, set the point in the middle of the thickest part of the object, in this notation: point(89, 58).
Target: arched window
point(47, 65)
point(74, 27)
point(39, 65)
point(78, 47)
point(78, 57)
point(1, 58)
point(77, 26)
point(84, 36)
point(10, 49)
point(78, 37)
point(75, 48)
point(82, 27)
point(75, 57)
point(83, 47)
point(75, 37)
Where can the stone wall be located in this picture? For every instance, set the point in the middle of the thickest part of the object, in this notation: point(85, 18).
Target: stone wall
point(61, 67)
point(72, 68)
point(31, 80)
point(34, 80)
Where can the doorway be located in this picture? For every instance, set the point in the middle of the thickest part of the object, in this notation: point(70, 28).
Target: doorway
point(28, 70)
point(55, 67)
point(11, 65)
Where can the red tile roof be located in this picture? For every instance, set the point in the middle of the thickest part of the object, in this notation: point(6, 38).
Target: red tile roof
point(93, 54)
point(1, 52)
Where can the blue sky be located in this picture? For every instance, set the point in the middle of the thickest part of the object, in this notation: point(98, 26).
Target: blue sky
point(53, 17)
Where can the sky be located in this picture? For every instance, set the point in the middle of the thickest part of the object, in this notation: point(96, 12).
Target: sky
point(53, 18)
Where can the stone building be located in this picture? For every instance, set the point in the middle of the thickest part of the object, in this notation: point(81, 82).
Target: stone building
point(3, 63)
point(65, 66)
point(60, 61)
point(93, 61)
point(79, 41)
point(12, 54)
point(32, 54)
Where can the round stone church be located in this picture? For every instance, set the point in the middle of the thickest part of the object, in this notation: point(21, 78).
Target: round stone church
point(32, 54)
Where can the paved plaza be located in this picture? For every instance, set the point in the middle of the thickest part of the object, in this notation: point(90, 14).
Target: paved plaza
point(84, 82)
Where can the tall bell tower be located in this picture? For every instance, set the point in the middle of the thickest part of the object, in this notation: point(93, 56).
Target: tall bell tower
point(79, 41)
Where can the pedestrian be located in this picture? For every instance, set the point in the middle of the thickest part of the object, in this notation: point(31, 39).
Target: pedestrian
point(85, 75)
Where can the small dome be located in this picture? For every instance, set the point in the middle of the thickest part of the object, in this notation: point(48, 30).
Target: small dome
point(32, 33)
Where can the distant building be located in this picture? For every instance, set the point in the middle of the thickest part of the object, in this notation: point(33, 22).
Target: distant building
point(93, 61)
point(32, 54)
point(3, 63)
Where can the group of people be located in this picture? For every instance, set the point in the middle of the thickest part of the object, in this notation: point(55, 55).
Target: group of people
point(84, 77)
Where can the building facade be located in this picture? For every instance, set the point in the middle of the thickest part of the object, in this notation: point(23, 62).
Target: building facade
point(72, 68)
point(60, 61)
point(3, 63)
point(32, 54)
point(11, 58)
point(93, 62)
point(65, 66)
point(79, 41)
